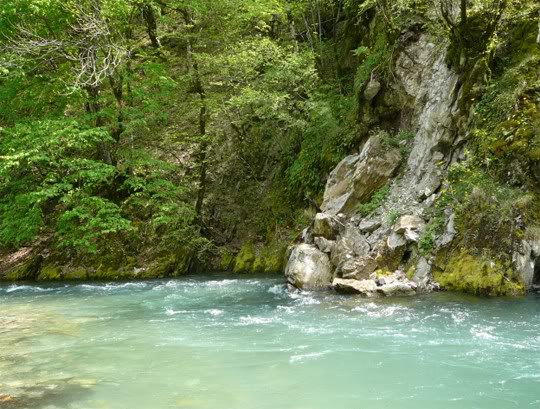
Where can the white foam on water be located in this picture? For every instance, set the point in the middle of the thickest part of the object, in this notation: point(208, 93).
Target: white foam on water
point(278, 289)
point(303, 298)
point(220, 283)
point(483, 332)
point(14, 287)
point(249, 320)
point(287, 309)
point(170, 312)
point(306, 357)
point(215, 312)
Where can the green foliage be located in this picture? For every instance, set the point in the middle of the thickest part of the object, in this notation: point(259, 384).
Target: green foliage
point(91, 219)
point(323, 143)
point(433, 229)
point(375, 60)
point(366, 209)
point(392, 216)
point(41, 165)
point(400, 140)
point(489, 214)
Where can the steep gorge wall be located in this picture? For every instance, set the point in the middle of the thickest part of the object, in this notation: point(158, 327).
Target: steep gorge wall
point(374, 252)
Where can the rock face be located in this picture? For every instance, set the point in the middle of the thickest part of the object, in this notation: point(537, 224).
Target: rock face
point(357, 177)
point(356, 247)
point(325, 225)
point(527, 262)
point(309, 268)
point(404, 231)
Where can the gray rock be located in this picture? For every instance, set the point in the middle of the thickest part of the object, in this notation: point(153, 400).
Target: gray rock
point(325, 245)
point(397, 288)
point(395, 241)
point(356, 178)
point(362, 268)
point(372, 89)
point(309, 268)
point(369, 226)
point(422, 275)
point(350, 244)
point(325, 225)
point(450, 231)
point(337, 185)
point(366, 288)
point(429, 184)
point(409, 222)
point(526, 261)
point(307, 236)
point(411, 236)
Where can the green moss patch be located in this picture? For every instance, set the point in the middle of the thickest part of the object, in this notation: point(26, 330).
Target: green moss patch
point(479, 275)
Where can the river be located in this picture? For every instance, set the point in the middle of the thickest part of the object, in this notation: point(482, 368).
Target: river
point(218, 342)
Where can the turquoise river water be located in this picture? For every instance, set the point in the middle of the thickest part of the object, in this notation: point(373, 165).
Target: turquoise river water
point(223, 343)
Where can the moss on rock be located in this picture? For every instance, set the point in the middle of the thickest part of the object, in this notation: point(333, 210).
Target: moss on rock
point(50, 272)
point(480, 275)
point(27, 270)
point(227, 260)
point(274, 262)
point(245, 259)
point(76, 274)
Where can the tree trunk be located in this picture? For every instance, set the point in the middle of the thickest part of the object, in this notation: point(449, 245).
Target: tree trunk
point(463, 15)
point(117, 87)
point(93, 107)
point(151, 24)
point(198, 87)
point(538, 38)
point(203, 152)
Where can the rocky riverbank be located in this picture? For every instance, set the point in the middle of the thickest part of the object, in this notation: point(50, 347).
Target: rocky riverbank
point(383, 227)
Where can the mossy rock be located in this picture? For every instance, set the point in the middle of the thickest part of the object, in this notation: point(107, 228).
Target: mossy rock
point(273, 263)
point(259, 265)
point(27, 270)
point(50, 272)
point(227, 260)
point(76, 274)
point(479, 275)
point(245, 259)
point(167, 266)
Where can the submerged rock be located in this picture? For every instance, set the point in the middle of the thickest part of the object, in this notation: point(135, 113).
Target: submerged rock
point(309, 268)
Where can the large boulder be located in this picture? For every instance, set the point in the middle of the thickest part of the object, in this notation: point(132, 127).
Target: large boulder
point(527, 262)
point(398, 288)
point(366, 288)
point(409, 222)
point(422, 274)
point(326, 246)
point(369, 226)
point(309, 268)
point(349, 245)
point(359, 268)
point(357, 177)
point(325, 225)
